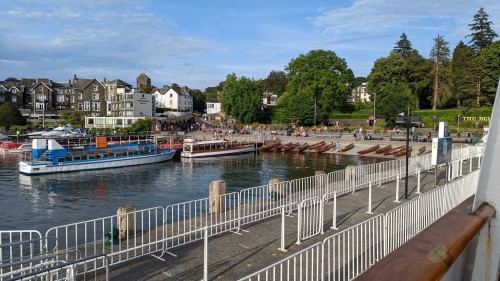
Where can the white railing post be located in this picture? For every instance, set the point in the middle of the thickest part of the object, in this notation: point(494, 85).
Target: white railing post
point(334, 221)
point(369, 198)
point(479, 162)
point(205, 253)
point(418, 181)
point(379, 174)
point(299, 223)
point(397, 189)
point(470, 163)
point(282, 248)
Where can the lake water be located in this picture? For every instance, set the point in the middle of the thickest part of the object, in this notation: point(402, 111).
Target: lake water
point(41, 202)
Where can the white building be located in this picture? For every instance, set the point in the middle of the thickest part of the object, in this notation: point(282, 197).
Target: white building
point(174, 99)
point(360, 94)
point(213, 106)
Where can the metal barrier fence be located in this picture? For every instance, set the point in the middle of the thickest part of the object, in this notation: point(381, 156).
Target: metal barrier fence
point(185, 222)
point(17, 246)
point(310, 218)
point(303, 265)
point(121, 237)
point(348, 253)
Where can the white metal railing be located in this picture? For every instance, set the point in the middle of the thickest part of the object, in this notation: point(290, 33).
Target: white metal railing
point(350, 252)
point(121, 237)
point(303, 265)
point(310, 218)
point(185, 222)
point(347, 254)
point(17, 246)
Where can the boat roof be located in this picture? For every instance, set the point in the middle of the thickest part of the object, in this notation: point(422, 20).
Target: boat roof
point(206, 142)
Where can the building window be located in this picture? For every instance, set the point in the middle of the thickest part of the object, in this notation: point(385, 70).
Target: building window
point(80, 96)
point(170, 95)
point(95, 88)
point(2, 90)
point(40, 90)
point(72, 107)
point(95, 96)
point(14, 99)
point(171, 102)
point(110, 87)
point(72, 99)
point(2, 99)
point(86, 106)
point(60, 98)
point(80, 106)
point(96, 106)
point(13, 90)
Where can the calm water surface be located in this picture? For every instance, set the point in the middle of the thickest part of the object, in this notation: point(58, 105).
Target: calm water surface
point(41, 202)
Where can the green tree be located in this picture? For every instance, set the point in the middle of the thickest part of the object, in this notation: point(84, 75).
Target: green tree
point(388, 70)
point(490, 57)
point(395, 99)
point(275, 83)
point(358, 81)
point(241, 98)
point(213, 92)
point(482, 34)
point(74, 117)
point(440, 54)
point(321, 79)
point(294, 109)
point(143, 88)
point(404, 47)
point(419, 79)
point(199, 100)
point(141, 125)
point(463, 75)
point(11, 116)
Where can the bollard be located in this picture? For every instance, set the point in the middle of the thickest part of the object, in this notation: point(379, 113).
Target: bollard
point(126, 221)
point(397, 189)
point(217, 202)
point(320, 177)
point(275, 189)
point(282, 248)
point(334, 221)
point(369, 198)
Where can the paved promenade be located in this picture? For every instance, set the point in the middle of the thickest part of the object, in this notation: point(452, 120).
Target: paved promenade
point(233, 256)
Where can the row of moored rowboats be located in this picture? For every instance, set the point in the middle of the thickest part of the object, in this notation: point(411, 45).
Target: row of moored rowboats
point(322, 146)
point(319, 147)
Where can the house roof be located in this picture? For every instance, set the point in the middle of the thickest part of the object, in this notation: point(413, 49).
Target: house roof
point(213, 100)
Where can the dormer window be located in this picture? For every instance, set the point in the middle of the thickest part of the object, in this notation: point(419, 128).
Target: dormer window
point(13, 90)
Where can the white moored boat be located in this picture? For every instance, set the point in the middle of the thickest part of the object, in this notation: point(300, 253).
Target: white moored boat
point(50, 157)
point(193, 149)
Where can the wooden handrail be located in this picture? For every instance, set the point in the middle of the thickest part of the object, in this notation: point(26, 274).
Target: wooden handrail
point(430, 254)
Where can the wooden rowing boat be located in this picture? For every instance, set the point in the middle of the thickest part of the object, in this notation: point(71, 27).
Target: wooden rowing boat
point(301, 148)
point(421, 150)
point(289, 147)
point(347, 147)
point(383, 149)
point(324, 148)
point(394, 150)
point(269, 145)
point(279, 148)
point(369, 149)
point(316, 145)
point(403, 152)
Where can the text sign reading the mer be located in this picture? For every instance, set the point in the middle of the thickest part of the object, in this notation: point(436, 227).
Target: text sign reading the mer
point(469, 118)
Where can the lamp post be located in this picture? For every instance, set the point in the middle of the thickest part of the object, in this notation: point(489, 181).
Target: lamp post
point(407, 150)
point(374, 103)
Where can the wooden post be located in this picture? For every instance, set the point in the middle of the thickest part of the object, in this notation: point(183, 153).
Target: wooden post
point(217, 202)
point(276, 191)
point(320, 181)
point(126, 221)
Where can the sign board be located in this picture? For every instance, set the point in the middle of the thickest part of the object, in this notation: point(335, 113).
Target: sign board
point(443, 130)
point(441, 151)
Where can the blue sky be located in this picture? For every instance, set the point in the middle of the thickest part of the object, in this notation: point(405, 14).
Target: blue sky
point(197, 43)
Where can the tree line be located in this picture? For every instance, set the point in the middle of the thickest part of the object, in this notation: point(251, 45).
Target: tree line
point(317, 84)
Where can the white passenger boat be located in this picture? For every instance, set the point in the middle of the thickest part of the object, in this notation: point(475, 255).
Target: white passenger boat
point(193, 149)
point(50, 157)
